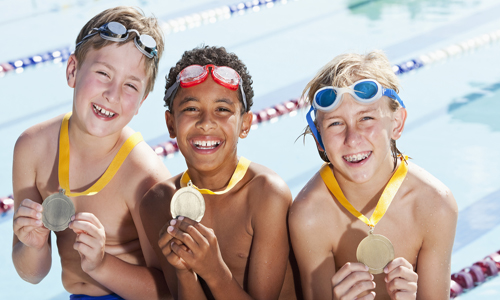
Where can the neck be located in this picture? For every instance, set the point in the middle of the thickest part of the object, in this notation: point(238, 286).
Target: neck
point(86, 145)
point(216, 179)
point(371, 190)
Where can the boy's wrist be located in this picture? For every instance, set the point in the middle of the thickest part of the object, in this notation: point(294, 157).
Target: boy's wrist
point(219, 279)
point(95, 272)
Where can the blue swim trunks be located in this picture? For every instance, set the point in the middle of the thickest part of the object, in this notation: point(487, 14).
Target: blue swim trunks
point(105, 297)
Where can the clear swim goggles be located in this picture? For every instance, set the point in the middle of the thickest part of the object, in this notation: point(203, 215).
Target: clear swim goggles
point(116, 32)
point(365, 91)
point(195, 74)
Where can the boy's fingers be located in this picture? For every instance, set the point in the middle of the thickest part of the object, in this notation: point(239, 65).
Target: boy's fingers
point(32, 204)
point(182, 236)
point(399, 261)
point(354, 284)
point(24, 211)
point(89, 217)
point(26, 223)
point(84, 226)
point(402, 272)
point(347, 269)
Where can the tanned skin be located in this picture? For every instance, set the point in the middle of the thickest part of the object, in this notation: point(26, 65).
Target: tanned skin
point(420, 221)
point(105, 248)
point(240, 248)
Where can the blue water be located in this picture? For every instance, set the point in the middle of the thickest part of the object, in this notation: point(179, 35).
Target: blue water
point(453, 129)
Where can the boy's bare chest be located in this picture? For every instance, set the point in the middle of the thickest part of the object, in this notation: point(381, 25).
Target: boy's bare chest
point(231, 223)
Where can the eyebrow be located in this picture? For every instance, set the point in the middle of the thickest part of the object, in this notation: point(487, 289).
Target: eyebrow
point(131, 77)
point(361, 112)
point(190, 98)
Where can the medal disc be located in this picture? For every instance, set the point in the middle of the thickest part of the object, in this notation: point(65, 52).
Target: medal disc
point(188, 202)
point(375, 251)
point(57, 211)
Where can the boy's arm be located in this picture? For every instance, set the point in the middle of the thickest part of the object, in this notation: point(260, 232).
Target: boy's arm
point(127, 280)
point(434, 258)
point(31, 249)
point(269, 254)
point(309, 233)
point(312, 251)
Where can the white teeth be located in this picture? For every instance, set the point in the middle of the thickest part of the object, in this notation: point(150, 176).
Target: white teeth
point(206, 144)
point(356, 157)
point(102, 111)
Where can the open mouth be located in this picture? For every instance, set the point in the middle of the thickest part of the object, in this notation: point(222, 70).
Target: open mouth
point(102, 112)
point(206, 145)
point(357, 158)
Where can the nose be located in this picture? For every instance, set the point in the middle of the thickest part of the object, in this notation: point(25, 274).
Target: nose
point(352, 136)
point(113, 92)
point(206, 122)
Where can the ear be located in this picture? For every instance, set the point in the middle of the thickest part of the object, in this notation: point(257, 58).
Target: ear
point(71, 69)
point(399, 123)
point(170, 121)
point(246, 124)
point(140, 104)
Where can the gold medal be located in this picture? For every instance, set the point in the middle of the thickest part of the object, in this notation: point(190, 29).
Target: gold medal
point(188, 202)
point(57, 211)
point(375, 251)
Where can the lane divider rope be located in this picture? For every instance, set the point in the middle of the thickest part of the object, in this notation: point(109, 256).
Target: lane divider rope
point(169, 27)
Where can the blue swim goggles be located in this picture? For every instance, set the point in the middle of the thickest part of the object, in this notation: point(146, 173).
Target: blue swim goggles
point(116, 32)
point(365, 91)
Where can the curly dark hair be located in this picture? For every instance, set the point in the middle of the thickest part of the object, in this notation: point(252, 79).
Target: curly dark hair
point(218, 56)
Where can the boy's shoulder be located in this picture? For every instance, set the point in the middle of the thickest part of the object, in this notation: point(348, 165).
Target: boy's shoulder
point(42, 133)
point(263, 182)
point(431, 196)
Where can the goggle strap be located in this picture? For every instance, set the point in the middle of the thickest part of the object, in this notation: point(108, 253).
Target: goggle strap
point(393, 95)
point(313, 128)
point(171, 93)
point(88, 36)
point(243, 98)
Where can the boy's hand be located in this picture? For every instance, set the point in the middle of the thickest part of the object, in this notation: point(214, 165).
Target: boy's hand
point(401, 280)
point(203, 254)
point(165, 243)
point(90, 240)
point(28, 226)
point(352, 280)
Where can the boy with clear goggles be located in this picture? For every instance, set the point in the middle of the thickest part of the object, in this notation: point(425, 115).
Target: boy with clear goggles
point(102, 178)
point(369, 220)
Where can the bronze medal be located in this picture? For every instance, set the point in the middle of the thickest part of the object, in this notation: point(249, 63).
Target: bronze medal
point(57, 211)
point(375, 251)
point(188, 202)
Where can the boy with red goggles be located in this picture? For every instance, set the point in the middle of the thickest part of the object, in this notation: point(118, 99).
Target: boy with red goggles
point(369, 224)
point(239, 249)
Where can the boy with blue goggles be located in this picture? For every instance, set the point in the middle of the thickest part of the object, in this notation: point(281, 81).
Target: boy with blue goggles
point(365, 91)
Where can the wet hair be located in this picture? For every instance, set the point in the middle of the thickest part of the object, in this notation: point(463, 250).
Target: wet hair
point(131, 18)
point(344, 70)
point(218, 56)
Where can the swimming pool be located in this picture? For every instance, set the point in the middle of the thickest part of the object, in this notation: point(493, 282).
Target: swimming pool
point(452, 130)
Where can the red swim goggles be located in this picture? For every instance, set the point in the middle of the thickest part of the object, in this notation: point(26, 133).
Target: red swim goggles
point(196, 74)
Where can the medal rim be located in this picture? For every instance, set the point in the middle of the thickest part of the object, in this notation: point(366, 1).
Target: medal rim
point(363, 244)
point(45, 219)
point(178, 193)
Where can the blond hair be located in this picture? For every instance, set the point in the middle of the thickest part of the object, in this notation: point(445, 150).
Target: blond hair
point(131, 18)
point(344, 70)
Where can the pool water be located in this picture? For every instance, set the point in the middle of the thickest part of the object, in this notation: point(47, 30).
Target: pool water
point(452, 128)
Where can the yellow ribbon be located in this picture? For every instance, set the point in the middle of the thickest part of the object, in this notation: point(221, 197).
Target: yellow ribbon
point(238, 174)
point(118, 160)
point(383, 203)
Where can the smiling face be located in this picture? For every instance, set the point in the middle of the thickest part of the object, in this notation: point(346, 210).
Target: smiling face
point(109, 88)
point(357, 137)
point(206, 119)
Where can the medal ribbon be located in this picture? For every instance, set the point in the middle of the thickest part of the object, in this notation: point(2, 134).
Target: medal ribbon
point(116, 163)
point(238, 174)
point(383, 203)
